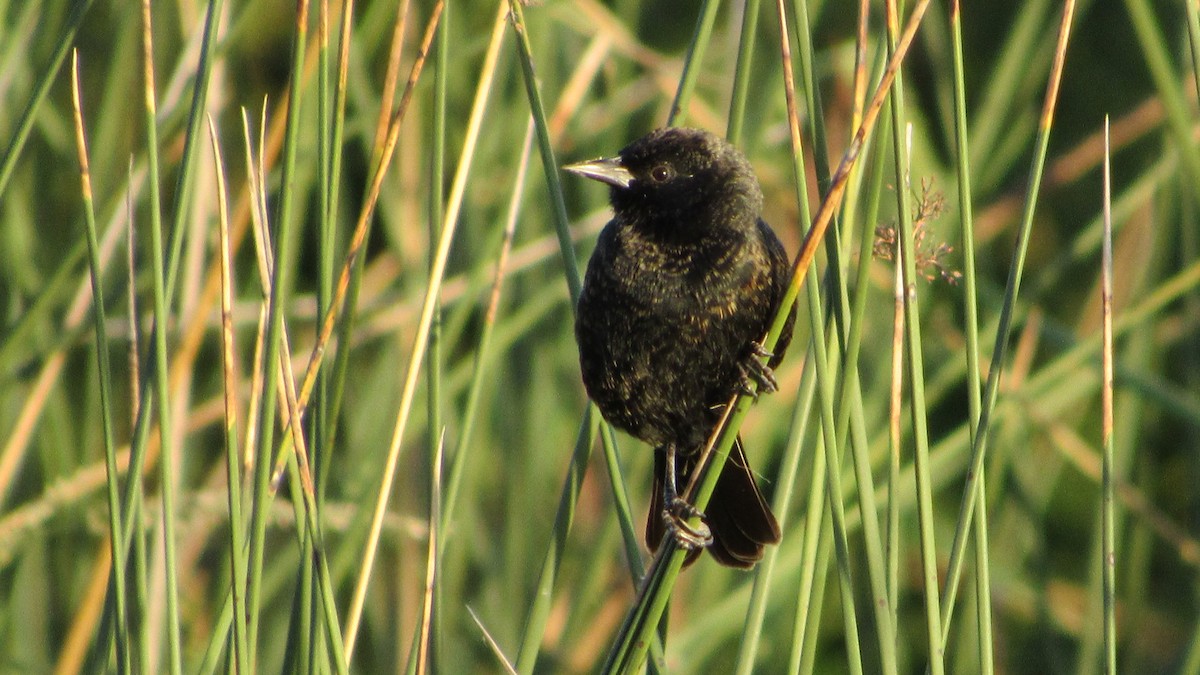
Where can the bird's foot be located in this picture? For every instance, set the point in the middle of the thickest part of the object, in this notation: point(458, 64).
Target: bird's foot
point(678, 511)
point(751, 370)
point(687, 537)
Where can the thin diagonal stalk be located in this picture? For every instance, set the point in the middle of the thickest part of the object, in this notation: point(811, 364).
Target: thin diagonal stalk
point(971, 329)
point(620, 496)
point(1159, 62)
point(741, 77)
point(135, 553)
point(895, 437)
point(143, 404)
point(1108, 560)
point(104, 373)
point(788, 472)
point(279, 290)
point(424, 638)
point(831, 202)
point(632, 643)
point(302, 626)
point(166, 461)
point(1193, 29)
point(346, 290)
point(21, 132)
point(141, 588)
point(826, 373)
point(429, 645)
point(586, 438)
point(851, 424)
point(311, 538)
point(834, 281)
point(802, 658)
point(915, 361)
point(492, 644)
point(420, 341)
point(992, 122)
point(693, 62)
point(174, 246)
point(1000, 347)
point(184, 182)
point(458, 463)
point(850, 418)
point(335, 382)
point(833, 465)
point(309, 534)
point(549, 163)
point(220, 631)
point(333, 132)
point(232, 464)
point(305, 507)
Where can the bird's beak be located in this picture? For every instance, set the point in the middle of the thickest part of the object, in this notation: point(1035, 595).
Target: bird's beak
point(609, 170)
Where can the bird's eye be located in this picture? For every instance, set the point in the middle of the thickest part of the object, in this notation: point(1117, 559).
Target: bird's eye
point(660, 173)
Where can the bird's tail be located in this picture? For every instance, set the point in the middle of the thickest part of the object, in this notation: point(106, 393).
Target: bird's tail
point(739, 518)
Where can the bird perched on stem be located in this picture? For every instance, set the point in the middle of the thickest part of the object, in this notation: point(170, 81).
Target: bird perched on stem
point(684, 281)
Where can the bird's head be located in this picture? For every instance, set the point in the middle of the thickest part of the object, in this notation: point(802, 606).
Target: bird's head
point(679, 184)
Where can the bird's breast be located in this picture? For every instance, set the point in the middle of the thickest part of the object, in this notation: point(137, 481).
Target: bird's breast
point(661, 332)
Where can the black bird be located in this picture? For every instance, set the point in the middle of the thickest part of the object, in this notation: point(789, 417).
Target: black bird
point(684, 280)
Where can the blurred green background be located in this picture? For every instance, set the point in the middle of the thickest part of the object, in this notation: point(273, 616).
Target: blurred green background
point(608, 72)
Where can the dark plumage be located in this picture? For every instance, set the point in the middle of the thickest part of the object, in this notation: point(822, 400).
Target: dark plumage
point(683, 281)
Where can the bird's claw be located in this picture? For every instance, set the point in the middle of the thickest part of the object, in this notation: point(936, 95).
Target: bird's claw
point(677, 511)
point(687, 536)
point(757, 349)
point(751, 370)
